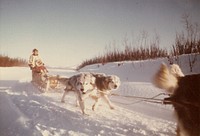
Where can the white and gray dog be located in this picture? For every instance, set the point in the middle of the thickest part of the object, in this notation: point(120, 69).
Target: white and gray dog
point(185, 98)
point(80, 84)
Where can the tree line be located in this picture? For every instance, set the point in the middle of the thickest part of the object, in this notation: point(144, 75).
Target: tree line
point(6, 61)
point(186, 42)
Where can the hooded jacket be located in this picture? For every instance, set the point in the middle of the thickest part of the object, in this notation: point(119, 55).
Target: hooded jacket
point(35, 60)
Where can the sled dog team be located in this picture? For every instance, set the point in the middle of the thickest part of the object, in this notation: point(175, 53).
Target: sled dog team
point(91, 85)
point(184, 91)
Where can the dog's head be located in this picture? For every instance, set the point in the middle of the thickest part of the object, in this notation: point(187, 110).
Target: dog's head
point(164, 79)
point(113, 82)
point(85, 82)
point(176, 71)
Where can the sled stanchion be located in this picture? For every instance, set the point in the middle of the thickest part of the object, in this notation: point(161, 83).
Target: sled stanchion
point(47, 86)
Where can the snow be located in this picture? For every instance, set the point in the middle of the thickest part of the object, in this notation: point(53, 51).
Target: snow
point(25, 111)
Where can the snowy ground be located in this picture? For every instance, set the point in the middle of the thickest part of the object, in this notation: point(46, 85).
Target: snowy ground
point(25, 111)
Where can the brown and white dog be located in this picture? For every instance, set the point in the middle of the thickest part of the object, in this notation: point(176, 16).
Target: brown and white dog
point(104, 84)
point(185, 98)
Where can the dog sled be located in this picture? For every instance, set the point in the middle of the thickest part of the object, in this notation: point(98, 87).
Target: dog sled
point(45, 82)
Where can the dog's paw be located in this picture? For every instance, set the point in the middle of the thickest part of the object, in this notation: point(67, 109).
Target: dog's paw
point(86, 114)
point(112, 108)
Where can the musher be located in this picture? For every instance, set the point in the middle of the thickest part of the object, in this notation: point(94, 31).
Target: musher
point(36, 65)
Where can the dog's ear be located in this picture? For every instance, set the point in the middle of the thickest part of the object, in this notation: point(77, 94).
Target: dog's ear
point(58, 76)
point(108, 79)
point(93, 80)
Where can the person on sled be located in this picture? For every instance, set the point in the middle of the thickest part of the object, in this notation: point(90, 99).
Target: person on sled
point(36, 65)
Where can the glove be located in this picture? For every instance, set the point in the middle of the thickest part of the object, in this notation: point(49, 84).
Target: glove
point(31, 66)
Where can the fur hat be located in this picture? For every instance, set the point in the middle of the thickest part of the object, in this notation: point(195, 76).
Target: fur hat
point(35, 50)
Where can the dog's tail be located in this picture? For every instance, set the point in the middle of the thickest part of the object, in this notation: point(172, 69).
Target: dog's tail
point(163, 79)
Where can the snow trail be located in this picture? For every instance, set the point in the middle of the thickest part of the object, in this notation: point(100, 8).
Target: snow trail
point(25, 111)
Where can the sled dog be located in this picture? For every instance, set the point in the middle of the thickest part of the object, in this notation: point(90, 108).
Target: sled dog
point(104, 84)
point(185, 99)
point(166, 77)
point(81, 84)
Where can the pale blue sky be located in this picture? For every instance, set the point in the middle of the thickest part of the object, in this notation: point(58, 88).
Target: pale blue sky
point(66, 32)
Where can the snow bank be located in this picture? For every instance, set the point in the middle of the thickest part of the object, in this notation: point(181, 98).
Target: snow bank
point(142, 71)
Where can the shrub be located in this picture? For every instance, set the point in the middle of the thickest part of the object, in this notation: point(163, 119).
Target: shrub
point(128, 53)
